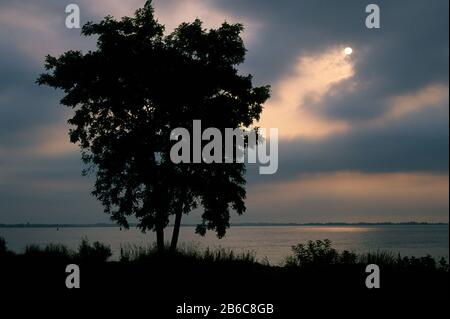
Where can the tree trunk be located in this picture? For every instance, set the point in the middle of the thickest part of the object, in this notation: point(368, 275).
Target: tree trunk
point(176, 230)
point(160, 238)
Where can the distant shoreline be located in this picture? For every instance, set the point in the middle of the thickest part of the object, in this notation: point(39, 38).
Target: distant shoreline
point(29, 225)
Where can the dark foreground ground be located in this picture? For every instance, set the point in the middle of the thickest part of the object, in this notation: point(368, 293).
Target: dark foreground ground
point(161, 284)
point(163, 287)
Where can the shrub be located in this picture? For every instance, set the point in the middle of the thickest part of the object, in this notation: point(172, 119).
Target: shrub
point(443, 264)
point(317, 252)
point(97, 252)
point(421, 263)
point(348, 257)
point(321, 253)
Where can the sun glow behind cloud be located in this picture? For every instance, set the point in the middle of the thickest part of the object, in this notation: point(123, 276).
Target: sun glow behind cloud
point(311, 78)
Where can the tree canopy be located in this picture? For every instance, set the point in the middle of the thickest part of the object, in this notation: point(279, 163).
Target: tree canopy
point(127, 96)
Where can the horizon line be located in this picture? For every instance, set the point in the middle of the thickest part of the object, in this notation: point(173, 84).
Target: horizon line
point(261, 224)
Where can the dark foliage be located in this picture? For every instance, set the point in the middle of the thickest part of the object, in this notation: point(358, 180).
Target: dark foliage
point(87, 252)
point(3, 249)
point(320, 253)
point(340, 277)
point(97, 252)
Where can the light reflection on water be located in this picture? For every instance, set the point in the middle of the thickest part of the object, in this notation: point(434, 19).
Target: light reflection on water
point(273, 242)
point(340, 229)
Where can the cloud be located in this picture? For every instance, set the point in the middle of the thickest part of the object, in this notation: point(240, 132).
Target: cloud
point(375, 123)
point(430, 96)
point(351, 196)
point(46, 189)
point(37, 28)
point(172, 13)
point(51, 141)
point(418, 142)
point(116, 8)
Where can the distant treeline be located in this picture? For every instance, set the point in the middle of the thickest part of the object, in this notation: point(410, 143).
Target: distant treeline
point(29, 225)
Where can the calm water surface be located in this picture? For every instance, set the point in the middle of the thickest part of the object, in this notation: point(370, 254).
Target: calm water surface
point(271, 242)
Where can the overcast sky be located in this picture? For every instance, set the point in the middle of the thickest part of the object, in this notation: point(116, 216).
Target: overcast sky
point(363, 137)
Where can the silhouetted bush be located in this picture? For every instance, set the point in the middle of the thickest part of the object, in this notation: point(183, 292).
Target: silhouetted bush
point(443, 264)
point(97, 252)
point(348, 257)
point(313, 253)
point(321, 253)
point(421, 263)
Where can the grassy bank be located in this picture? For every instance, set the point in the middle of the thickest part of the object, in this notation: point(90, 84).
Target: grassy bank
point(313, 269)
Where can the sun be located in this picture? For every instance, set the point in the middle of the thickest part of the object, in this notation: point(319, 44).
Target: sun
point(348, 51)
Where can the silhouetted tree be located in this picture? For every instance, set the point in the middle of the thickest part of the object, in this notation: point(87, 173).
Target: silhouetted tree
point(129, 94)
